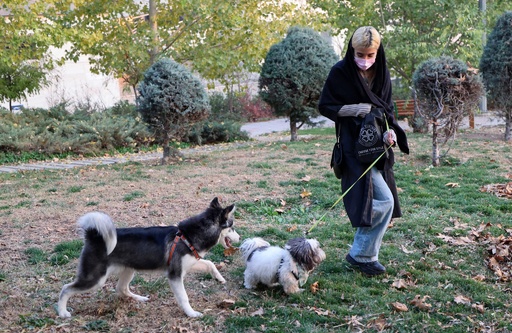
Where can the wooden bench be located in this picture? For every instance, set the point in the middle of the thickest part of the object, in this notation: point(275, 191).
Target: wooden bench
point(404, 108)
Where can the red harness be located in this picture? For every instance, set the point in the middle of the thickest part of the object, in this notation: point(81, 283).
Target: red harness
point(179, 236)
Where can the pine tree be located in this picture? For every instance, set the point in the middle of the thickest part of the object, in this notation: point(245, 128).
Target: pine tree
point(496, 68)
point(170, 101)
point(293, 75)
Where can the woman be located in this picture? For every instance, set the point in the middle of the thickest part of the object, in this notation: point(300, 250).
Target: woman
point(357, 84)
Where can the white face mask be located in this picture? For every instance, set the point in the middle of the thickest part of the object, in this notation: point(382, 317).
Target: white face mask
point(364, 64)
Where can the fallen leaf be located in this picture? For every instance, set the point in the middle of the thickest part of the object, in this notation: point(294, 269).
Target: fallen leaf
point(292, 228)
point(399, 284)
point(462, 300)
point(258, 312)
point(353, 321)
point(314, 287)
point(321, 312)
point(420, 303)
point(226, 303)
point(400, 307)
point(478, 307)
point(379, 323)
point(479, 278)
point(305, 193)
point(230, 251)
point(402, 247)
point(306, 179)
point(452, 184)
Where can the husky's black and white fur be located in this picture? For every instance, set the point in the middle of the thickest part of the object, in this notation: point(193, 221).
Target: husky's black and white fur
point(272, 265)
point(123, 251)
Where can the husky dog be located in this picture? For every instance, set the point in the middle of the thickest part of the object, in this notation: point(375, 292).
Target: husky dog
point(175, 250)
point(272, 265)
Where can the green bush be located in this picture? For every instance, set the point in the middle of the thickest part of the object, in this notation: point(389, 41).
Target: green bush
point(293, 75)
point(171, 101)
point(215, 132)
point(38, 133)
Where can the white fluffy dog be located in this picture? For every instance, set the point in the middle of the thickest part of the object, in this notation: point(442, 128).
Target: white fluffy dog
point(273, 265)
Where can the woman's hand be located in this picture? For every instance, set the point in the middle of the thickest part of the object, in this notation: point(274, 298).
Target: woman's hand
point(389, 137)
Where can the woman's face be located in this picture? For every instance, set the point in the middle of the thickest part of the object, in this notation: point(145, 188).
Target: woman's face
point(365, 53)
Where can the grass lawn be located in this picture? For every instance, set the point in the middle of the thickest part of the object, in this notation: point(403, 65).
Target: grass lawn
point(448, 261)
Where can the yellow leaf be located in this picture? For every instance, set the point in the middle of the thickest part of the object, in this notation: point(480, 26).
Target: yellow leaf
point(314, 287)
point(452, 184)
point(292, 228)
point(305, 193)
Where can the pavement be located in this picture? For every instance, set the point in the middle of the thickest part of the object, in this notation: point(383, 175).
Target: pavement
point(256, 131)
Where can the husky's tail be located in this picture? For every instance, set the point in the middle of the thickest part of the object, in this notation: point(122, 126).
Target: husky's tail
point(96, 224)
point(249, 245)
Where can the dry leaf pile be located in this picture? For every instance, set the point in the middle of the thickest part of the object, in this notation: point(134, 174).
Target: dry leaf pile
point(499, 248)
point(500, 190)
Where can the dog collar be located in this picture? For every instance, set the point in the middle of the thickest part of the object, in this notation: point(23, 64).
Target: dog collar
point(179, 236)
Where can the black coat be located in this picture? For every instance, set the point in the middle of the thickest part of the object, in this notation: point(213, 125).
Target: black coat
point(344, 85)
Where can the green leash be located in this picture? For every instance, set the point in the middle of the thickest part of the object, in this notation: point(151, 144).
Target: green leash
point(345, 193)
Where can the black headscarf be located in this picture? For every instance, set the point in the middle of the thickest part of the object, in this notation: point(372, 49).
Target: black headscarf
point(345, 85)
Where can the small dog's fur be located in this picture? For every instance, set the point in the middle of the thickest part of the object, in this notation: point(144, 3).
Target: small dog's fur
point(271, 265)
point(123, 251)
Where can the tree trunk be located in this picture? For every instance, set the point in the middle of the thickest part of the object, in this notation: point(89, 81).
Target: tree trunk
point(134, 87)
point(435, 145)
point(508, 124)
point(293, 130)
point(167, 153)
point(154, 31)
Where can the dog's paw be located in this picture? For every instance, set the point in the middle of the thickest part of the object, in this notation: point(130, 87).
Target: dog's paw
point(194, 314)
point(140, 298)
point(64, 314)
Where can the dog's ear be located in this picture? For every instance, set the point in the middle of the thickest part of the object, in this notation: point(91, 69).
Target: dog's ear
point(228, 215)
point(215, 203)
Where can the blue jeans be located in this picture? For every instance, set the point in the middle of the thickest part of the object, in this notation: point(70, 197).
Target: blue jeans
point(367, 240)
